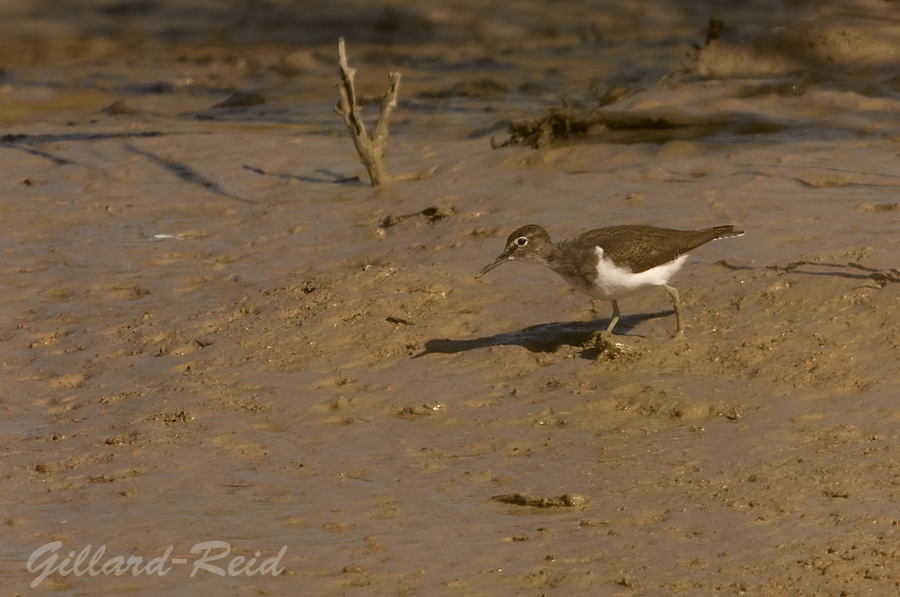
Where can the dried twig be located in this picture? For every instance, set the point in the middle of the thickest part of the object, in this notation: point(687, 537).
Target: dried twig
point(565, 123)
point(370, 149)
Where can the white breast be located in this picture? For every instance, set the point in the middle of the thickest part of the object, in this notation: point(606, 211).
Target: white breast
point(614, 282)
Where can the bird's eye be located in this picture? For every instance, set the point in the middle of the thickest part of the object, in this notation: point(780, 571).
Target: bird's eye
point(521, 241)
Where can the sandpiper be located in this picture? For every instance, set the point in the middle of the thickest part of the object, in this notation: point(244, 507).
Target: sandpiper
point(614, 262)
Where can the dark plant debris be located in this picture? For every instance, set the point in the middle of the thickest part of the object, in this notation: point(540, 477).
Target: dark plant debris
point(568, 500)
point(432, 214)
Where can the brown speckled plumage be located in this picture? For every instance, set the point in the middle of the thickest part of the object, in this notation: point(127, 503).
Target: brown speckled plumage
point(635, 256)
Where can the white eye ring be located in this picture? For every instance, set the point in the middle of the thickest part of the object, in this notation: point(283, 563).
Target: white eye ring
point(521, 241)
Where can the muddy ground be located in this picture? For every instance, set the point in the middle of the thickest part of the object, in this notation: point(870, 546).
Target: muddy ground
point(209, 333)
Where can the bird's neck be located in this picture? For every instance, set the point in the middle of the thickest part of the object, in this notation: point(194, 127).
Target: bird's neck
point(552, 258)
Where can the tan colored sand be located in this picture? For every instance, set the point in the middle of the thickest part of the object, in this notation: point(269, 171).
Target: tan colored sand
point(204, 337)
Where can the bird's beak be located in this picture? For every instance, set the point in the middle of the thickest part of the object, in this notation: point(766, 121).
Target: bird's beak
point(502, 258)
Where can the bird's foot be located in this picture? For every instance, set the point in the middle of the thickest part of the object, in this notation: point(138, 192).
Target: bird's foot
point(610, 347)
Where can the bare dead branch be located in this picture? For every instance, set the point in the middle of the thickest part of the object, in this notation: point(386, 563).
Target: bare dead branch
point(388, 105)
point(370, 149)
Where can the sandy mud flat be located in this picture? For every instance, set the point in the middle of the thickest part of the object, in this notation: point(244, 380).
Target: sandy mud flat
point(213, 329)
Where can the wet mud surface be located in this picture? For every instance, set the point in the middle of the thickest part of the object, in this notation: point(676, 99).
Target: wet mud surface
point(213, 328)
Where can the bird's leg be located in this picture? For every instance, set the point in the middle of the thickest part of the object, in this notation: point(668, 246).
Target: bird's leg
point(677, 305)
point(605, 342)
point(615, 315)
point(599, 333)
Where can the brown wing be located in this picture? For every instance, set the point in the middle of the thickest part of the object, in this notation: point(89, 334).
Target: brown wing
point(640, 248)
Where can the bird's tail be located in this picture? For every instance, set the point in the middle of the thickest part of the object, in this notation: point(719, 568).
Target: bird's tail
point(726, 232)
